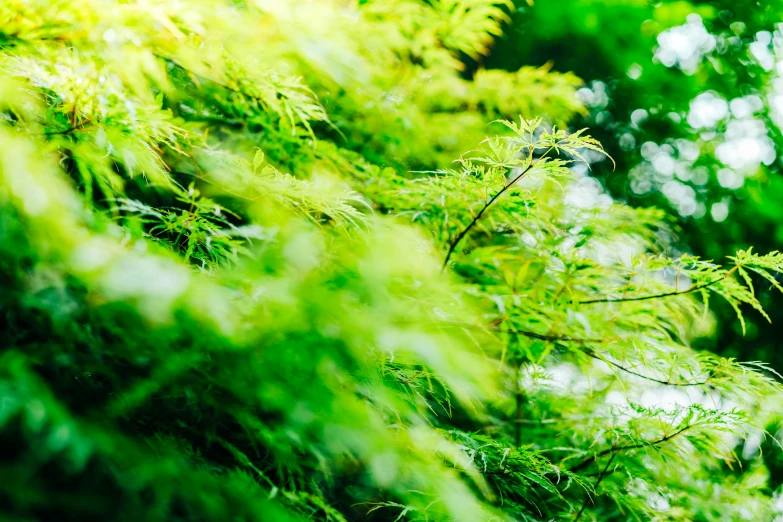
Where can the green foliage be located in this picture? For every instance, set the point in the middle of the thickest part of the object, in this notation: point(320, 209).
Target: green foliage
point(643, 90)
point(244, 279)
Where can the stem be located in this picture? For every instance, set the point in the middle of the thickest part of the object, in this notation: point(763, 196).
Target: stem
point(208, 182)
point(587, 351)
point(74, 128)
point(544, 337)
point(591, 353)
point(465, 231)
point(595, 487)
point(656, 296)
point(520, 402)
point(526, 333)
point(616, 449)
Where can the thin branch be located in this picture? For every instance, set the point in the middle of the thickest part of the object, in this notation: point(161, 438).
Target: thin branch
point(409, 379)
point(595, 487)
point(591, 353)
point(528, 333)
point(599, 473)
point(616, 449)
point(586, 351)
point(198, 75)
point(476, 218)
point(520, 401)
point(544, 337)
point(613, 451)
point(656, 296)
point(205, 180)
point(74, 128)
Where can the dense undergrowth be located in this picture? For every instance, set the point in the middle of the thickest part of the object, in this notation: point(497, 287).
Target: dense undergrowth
point(244, 278)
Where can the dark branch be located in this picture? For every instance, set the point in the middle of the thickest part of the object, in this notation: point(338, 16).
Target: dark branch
point(475, 220)
point(72, 129)
point(197, 75)
point(587, 351)
point(545, 337)
point(657, 296)
point(614, 450)
point(627, 447)
point(528, 333)
point(591, 353)
point(595, 487)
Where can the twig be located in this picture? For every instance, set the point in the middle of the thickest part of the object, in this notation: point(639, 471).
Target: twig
point(616, 449)
point(194, 73)
point(656, 296)
point(544, 337)
point(527, 333)
point(595, 487)
point(73, 128)
point(585, 350)
point(591, 353)
point(476, 218)
point(205, 180)
point(409, 379)
point(520, 401)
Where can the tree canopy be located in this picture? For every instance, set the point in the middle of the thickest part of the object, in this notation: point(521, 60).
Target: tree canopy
point(388, 260)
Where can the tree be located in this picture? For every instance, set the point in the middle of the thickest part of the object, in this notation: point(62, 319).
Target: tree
point(244, 279)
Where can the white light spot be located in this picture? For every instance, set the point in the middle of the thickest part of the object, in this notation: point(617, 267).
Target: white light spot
point(719, 211)
point(707, 110)
point(638, 116)
point(685, 45)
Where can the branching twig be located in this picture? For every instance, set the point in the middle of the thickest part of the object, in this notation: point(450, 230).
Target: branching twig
point(73, 129)
point(617, 449)
point(595, 487)
point(545, 337)
point(409, 379)
point(585, 350)
point(221, 187)
point(194, 73)
point(613, 451)
point(528, 333)
point(476, 218)
point(520, 402)
point(591, 353)
point(656, 296)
